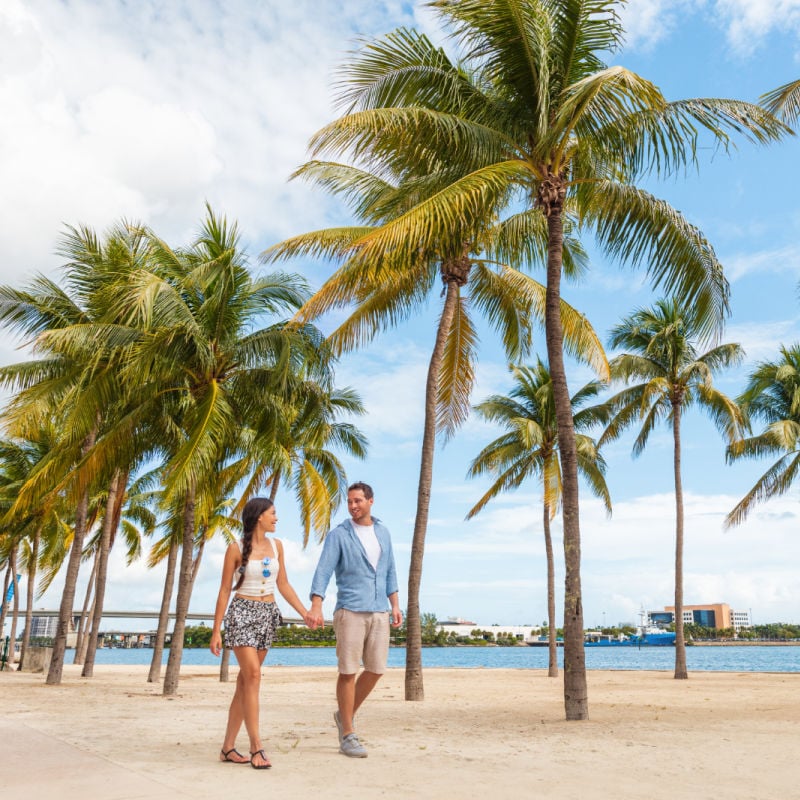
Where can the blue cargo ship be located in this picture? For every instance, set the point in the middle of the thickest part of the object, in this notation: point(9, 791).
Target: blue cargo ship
point(649, 637)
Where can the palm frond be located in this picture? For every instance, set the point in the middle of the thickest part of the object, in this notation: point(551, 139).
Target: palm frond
point(457, 373)
point(784, 101)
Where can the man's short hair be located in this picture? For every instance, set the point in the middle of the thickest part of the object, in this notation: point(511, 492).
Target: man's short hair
point(363, 487)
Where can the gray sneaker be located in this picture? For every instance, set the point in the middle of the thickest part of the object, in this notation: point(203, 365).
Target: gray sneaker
point(350, 746)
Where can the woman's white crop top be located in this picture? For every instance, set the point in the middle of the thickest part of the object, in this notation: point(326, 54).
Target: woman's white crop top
point(256, 583)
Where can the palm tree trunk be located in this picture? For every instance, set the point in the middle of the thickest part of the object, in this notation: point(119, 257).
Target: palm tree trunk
point(163, 614)
point(70, 580)
point(225, 665)
point(414, 685)
point(576, 702)
point(83, 625)
point(32, 564)
point(273, 489)
point(552, 647)
point(182, 601)
point(115, 488)
point(680, 643)
point(80, 653)
point(198, 559)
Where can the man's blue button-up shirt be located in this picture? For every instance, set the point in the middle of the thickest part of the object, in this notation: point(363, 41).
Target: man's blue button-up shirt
point(359, 587)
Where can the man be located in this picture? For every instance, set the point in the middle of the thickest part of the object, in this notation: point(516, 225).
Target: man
point(359, 553)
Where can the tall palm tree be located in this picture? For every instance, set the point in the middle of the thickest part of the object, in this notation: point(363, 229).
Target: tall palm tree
point(772, 396)
point(204, 369)
point(530, 110)
point(663, 355)
point(387, 284)
point(528, 448)
point(73, 378)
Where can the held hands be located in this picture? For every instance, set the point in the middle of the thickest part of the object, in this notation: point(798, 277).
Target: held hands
point(312, 621)
point(314, 618)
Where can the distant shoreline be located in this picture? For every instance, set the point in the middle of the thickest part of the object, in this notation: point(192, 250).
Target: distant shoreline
point(743, 643)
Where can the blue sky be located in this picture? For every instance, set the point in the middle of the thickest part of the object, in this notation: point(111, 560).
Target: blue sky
point(146, 110)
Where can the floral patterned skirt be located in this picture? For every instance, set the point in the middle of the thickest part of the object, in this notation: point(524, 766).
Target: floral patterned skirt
point(251, 623)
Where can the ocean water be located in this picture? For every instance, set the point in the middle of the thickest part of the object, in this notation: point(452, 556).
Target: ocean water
point(751, 658)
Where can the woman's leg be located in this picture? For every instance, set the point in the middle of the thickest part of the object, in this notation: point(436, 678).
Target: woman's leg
point(235, 719)
point(245, 703)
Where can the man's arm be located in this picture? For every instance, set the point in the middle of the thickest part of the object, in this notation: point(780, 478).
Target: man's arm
point(396, 615)
point(322, 576)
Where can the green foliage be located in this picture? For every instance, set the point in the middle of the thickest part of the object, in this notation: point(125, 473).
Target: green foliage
point(772, 397)
point(300, 636)
point(195, 636)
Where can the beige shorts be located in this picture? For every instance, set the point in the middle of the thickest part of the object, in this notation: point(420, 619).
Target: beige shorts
point(361, 637)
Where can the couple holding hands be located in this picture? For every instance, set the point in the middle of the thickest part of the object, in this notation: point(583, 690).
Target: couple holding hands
point(359, 553)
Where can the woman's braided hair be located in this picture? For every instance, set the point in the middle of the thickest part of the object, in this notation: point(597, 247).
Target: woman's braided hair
point(252, 510)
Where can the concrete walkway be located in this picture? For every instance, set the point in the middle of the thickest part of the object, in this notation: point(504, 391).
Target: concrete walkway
point(39, 766)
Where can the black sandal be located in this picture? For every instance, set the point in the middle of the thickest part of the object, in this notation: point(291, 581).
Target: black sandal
point(226, 756)
point(263, 755)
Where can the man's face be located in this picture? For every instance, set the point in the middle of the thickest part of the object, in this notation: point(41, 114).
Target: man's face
point(360, 507)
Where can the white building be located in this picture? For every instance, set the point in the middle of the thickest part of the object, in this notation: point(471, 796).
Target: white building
point(464, 627)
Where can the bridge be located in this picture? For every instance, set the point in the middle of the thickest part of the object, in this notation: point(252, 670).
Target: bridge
point(42, 612)
point(127, 638)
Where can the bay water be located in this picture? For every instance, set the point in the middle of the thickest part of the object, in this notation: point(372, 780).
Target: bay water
point(729, 658)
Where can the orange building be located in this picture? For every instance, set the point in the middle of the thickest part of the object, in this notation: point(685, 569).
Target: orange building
point(712, 615)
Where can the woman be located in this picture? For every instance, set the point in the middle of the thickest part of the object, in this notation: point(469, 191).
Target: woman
point(257, 564)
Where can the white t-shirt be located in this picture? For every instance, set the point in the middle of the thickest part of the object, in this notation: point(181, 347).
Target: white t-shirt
point(366, 533)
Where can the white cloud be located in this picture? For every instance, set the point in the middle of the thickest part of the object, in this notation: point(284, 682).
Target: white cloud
point(749, 21)
point(761, 340)
point(779, 260)
point(144, 110)
point(647, 22)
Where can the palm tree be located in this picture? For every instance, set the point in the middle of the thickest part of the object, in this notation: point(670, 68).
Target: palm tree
point(530, 110)
point(19, 459)
point(772, 396)
point(387, 285)
point(204, 370)
point(664, 355)
point(529, 447)
point(73, 379)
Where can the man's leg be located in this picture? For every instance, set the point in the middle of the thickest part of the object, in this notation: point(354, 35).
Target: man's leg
point(351, 692)
point(364, 685)
point(345, 697)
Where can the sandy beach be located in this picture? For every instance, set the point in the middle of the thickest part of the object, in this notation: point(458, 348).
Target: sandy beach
point(479, 733)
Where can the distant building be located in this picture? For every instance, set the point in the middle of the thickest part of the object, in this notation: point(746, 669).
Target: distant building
point(46, 627)
point(714, 615)
point(43, 626)
point(455, 621)
point(464, 627)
